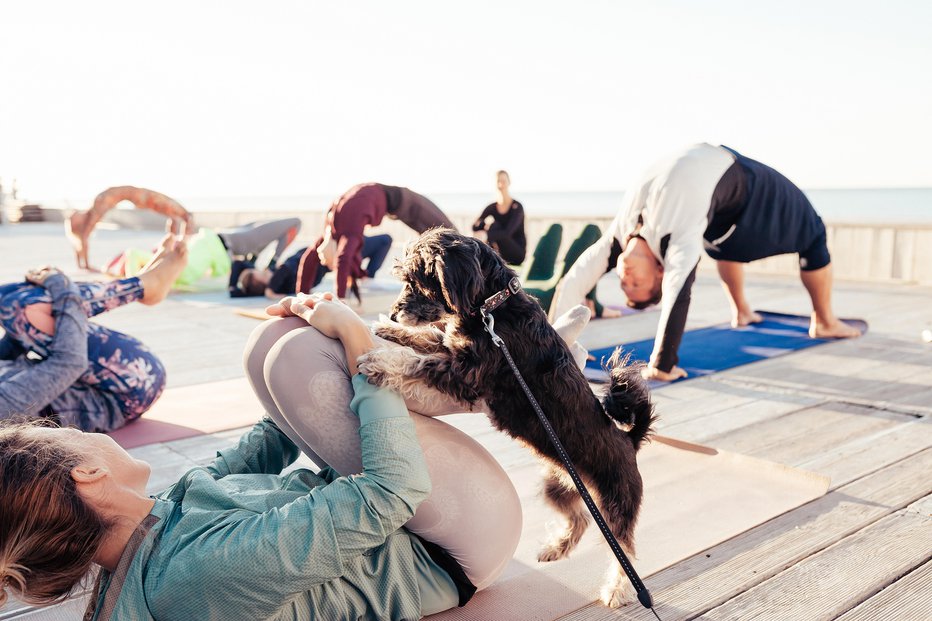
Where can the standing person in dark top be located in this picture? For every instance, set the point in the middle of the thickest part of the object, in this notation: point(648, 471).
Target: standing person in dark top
point(501, 224)
point(361, 206)
point(713, 198)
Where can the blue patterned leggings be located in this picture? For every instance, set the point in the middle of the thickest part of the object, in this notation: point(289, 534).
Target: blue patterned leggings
point(118, 364)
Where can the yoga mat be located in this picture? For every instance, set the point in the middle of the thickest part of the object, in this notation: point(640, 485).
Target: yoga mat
point(191, 411)
point(695, 497)
point(253, 313)
point(716, 348)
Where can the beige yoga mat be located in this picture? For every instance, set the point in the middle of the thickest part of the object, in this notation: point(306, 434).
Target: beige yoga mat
point(695, 497)
point(253, 313)
point(191, 411)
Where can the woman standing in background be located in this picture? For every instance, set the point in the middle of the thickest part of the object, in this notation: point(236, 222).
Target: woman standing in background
point(501, 224)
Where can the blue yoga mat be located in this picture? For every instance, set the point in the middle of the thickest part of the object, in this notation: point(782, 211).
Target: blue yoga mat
point(709, 350)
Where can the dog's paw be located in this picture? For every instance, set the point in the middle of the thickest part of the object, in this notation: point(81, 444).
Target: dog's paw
point(618, 594)
point(552, 552)
point(386, 328)
point(373, 365)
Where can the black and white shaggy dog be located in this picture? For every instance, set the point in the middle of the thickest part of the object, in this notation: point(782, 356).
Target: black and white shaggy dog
point(447, 277)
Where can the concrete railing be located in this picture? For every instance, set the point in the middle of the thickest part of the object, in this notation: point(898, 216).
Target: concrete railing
point(885, 253)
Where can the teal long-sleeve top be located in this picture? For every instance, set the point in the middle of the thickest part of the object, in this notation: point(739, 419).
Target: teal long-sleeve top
point(237, 540)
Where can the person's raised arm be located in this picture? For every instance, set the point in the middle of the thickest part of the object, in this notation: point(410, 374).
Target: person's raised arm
point(27, 392)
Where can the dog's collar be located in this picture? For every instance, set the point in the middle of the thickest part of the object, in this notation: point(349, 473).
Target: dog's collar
point(493, 302)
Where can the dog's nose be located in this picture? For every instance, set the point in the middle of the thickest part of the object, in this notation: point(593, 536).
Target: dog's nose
point(394, 316)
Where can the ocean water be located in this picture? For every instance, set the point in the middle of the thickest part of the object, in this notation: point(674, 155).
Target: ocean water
point(867, 206)
point(862, 206)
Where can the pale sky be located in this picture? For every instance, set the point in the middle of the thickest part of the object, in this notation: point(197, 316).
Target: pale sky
point(235, 98)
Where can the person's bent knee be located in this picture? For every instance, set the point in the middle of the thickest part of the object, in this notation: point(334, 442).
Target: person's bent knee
point(263, 337)
point(816, 256)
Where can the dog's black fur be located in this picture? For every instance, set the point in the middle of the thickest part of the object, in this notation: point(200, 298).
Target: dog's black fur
point(447, 277)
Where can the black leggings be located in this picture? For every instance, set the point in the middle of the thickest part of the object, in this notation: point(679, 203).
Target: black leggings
point(506, 246)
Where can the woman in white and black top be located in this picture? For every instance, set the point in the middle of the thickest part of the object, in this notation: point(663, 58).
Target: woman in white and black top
point(713, 198)
point(501, 224)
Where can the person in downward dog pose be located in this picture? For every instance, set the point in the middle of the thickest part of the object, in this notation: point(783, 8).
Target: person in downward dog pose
point(707, 196)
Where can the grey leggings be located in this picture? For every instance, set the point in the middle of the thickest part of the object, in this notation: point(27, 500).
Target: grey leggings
point(252, 238)
point(302, 379)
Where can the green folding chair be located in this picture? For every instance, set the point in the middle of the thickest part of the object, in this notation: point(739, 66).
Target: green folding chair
point(544, 289)
point(543, 260)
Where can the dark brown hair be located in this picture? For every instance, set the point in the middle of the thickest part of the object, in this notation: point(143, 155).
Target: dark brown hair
point(250, 284)
point(654, 298)
point(48, 534)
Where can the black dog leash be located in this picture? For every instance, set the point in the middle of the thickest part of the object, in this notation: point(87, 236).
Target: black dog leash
point(514, 286)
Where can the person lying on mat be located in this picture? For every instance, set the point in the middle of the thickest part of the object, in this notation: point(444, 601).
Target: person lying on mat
point(373, 535)
point(362, 206)
point(501, 224)
point(221, 252)
point(80, 224)
point(707, 196)
point(281, 280)
point(56, 365)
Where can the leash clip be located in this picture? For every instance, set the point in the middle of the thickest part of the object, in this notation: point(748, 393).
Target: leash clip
point(489, 322)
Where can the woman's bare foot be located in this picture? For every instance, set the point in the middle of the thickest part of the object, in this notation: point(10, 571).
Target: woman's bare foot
point(744, 318)
point(162, 270)
point(833, 329)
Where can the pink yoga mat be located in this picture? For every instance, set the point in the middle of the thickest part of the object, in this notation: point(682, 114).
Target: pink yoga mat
point(191, 411)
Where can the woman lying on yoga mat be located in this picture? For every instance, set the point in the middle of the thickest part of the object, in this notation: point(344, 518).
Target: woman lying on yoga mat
point(236, 539)
point(56, 364)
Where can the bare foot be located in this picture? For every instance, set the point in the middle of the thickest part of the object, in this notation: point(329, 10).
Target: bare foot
point(159, 274)
point(744, 318)
point(835, 329)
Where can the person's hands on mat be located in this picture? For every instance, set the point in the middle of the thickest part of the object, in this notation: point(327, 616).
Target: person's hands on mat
point(653, 373)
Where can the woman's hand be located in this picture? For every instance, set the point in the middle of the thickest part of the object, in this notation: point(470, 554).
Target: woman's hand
point(331, 318)
point(39, 275)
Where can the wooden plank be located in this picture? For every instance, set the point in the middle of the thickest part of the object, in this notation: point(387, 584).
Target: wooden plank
point(707, 429)
point(869, 453)
point(702, 582)
point(807, 433)
point(908, 598)
point(838, 578)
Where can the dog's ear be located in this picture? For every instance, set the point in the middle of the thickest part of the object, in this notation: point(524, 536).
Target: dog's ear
point(460, 275)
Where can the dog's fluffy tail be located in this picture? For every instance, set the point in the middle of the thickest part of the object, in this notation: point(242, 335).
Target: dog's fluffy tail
point(627, 399)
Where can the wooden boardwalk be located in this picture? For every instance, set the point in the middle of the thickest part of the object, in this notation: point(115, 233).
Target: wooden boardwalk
point(858, 411)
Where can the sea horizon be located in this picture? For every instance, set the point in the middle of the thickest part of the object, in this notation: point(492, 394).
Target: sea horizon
point(840, 205)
